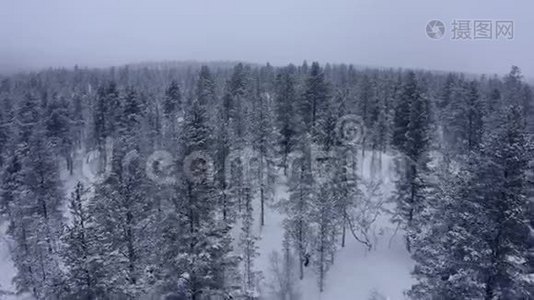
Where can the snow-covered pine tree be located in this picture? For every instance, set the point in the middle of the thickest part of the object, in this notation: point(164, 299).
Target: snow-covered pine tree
point(501, 179)
point(368, 107)
point(81, 256)
point(286, 113)
point(232, 139)
point(410, 187)
point(381, 132)
point(313, 102)
point(10, 163)
point(204, 249)
point(446, 249)
point(473, 244)
point(263, 145)
point(462, 118)
point(222, 152)
point(172, 109)
point(32, 200)
point(298, 206)
point(44, 207)
point(345, 187)
point(6, 129)
point(250, 277)
point(78, 120)
point(106, 112)
point(58, 125)
point(12, 195)
point(446, 93)
point(172, 102)
point(401, 118)
point(121, 207)
point(205, 88)
point(237, 101)
point(323, 213)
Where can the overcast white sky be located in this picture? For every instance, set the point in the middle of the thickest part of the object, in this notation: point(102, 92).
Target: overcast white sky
point(38, 34)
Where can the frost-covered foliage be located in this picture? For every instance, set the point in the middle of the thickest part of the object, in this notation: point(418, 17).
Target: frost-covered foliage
point(183, 163)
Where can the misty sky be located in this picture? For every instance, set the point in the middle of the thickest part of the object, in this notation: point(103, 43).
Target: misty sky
point(38, 34)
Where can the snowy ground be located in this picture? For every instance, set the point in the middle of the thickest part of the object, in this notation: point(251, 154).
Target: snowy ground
point(7, 270)
point(355, 274)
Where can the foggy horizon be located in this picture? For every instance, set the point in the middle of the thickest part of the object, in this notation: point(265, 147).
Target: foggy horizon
point(60, 34)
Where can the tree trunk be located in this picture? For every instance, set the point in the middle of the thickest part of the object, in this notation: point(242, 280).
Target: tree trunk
point(262, 207)
point(343, 234)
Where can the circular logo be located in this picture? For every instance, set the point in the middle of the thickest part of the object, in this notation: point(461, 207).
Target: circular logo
point(27, 115)
point(159, 167)
point(96, 164)
point(198, 167)
point(349, 129)
point(435, 29)
point(240, 161)
point(127, 168)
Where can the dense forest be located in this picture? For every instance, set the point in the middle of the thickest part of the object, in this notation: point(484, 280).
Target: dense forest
point(171, 167)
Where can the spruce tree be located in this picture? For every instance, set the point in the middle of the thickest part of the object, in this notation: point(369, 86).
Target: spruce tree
point(264, 150)
point(249, 251)
point(323, 214)
point(121, 207)
point(473, 244)
point(204, 251)
point(298, 206)
point(410, 187)
point(286, 114)
point(172, 102)
point(32, 200)
point(81, 255)
point(314, 101)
